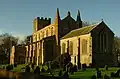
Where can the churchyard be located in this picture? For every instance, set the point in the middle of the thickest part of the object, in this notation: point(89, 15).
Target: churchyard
point(43, 70)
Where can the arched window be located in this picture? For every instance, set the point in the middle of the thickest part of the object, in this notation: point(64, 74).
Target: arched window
point(84, 46)
point(105, 41)
point(35, 37)
point(75, 59)
point(63, 47)
point(46, 33)
point(102, 42)
point(52, 31)
point(43, 34)
point(71, 48)
point(39, 35)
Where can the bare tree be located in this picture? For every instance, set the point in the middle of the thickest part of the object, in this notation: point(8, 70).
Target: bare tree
point(7, 41)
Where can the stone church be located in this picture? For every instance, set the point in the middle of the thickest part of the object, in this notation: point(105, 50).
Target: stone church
point(87, 45)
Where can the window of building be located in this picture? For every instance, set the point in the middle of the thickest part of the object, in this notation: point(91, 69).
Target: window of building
point(75, 59)
point(98, 43)
point(105, 41)
point(46, 33)
point(102, 41)
point(84, 46)
point(63, 48)
point(39, 35)
point(52, 31)
point(35, 37)
point(71, 48)
point(68, 47)
point(43, 34)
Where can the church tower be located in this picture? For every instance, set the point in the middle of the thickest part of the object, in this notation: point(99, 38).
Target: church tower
point(78, 21)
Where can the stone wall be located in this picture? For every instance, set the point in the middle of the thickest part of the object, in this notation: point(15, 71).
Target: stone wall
point(85, 57)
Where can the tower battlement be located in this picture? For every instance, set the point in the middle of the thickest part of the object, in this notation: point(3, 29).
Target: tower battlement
point(40, 22)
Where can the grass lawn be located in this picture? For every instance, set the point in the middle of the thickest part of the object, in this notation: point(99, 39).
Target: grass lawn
point(19, 68)
point(91, 71)
point(88, 73)
point(77, 75)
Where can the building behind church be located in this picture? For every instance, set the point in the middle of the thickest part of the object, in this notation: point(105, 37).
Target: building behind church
point(87, 45)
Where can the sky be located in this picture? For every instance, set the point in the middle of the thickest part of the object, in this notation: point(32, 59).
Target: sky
point(16, 16)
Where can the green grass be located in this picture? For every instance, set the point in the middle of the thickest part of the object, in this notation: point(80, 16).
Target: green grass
point(80, 74)
point(91, 71)
point(19, 68)
point(88, 73)
point(3, 65)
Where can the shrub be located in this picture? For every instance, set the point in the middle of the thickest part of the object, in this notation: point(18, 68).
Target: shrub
point(55, 65)
point(3, 67)
point(60, 73)
point(64, 68)
point(93, 77)
point(32, 66)
point(112, 74)
point(9, 67)
point(117, 73)
point(15, 65)
point(42, 70)
point(37, 70)
point(27, 68)
point(40, 66)
point(106, 77)
point(45, 67)
point(97, 69)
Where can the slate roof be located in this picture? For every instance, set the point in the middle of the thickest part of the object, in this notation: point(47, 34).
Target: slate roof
point(80, 31)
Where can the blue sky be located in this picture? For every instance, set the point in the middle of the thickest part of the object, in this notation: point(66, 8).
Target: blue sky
point(16, 16)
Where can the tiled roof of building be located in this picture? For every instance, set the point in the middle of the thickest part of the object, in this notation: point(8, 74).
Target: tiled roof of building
point(80, 31)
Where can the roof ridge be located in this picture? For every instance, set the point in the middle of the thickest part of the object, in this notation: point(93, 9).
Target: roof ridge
point(95, 24)
point(81, 31)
